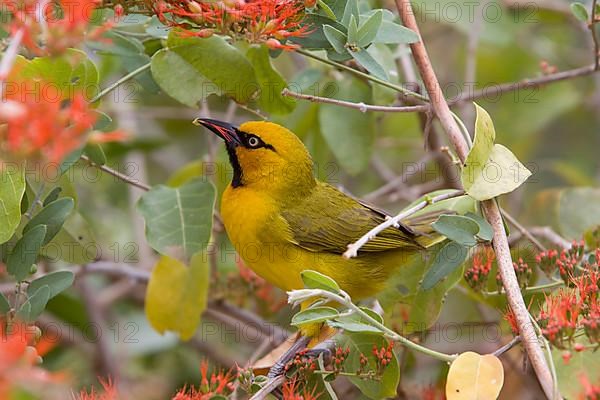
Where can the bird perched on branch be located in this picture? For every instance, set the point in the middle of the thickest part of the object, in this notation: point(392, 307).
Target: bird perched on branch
point(282, 220)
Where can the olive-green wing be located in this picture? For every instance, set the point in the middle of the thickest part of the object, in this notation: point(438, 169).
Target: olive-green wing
point(328, 220)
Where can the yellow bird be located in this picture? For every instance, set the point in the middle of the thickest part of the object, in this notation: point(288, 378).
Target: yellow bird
point(282, 220)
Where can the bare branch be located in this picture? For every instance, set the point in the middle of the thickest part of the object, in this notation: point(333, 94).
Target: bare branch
point(117, 174)
point(513, 221)
point(492, 212)
point(359, 106)
point(523, 84)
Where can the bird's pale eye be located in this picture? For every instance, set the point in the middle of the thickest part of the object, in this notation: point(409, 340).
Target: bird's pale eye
point(253, 141)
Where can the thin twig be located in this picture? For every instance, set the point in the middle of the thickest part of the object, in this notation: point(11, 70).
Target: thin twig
point(507, 346)
point(592, 26)
point(119, 82)
point(513, 221)
point(359, 106)
point(117, 174)
point(394, 221)
point(272, 384)
point(492, 91)
point(492, 212)
point(362, 74)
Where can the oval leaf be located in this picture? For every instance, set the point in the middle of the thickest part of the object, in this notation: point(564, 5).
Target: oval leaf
point(53, 216)
point(12, 189)
point(579, 11)
point(4, 304)
point(57, 282)
point(473, 376)
point(450, 257)
point(316, 280)
point(230, 71)
point(177, 295)
point(34, 305)
point(458, 228)
point(25, 253)
point(270, 81)
point(178, 217)
point(314, 315)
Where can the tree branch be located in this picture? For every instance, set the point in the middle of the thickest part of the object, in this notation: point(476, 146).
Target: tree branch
point(492, 212)
point(523, 84)
point(359, 106)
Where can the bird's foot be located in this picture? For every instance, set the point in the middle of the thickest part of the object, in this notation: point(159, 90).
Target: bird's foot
point(298, 351)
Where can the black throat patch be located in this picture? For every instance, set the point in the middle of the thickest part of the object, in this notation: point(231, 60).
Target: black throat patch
point(235, 164)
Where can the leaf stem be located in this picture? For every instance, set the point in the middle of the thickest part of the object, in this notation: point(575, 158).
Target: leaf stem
point(531, 289)
point(119, 82)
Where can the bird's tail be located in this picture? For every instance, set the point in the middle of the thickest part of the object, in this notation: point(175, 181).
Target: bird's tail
point(421, 225)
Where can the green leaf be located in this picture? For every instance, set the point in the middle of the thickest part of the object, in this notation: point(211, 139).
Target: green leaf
point(4, 304)
point(12, 188)
point(270, 81)
point(70, 160)
point(177, 295)
point(95, 153)
point(353, 31)
point(117, 45)
point(316, 39)
point(458, 228)
point(53, 195)
point(34, 305)
point(53, 216)
point(350, 11)
point(392, 33)
point(25, 253)
point(351, 325)
point(490, 169)
point(581, 363)
point(448, 259)
point(73, 72)
point(230, 71)
point(316, 280)
point(365, 59)
point(56, 281)
point(74, 243)
point(570, 212)
point(349, 135)
point(179, 79)
point(361, 343)
point(580, 12)
point(314, 315)
point(336, 38)
point(368, 30)
point(485, 229)
point(178, 217)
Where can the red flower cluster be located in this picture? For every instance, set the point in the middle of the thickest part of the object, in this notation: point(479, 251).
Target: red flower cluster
point(383, 356)
point(590, 391)
point(270, 22)
point(572, 309)
point(254, 285)
point(49, 130)
point(291, 391)
point(20, 348)
point(219, 383)
point(339, 357)
point(109, 392)
point(477, 275)
point(50, 27)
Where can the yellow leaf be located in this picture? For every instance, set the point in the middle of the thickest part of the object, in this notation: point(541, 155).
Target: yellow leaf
point(475, 377)
point(177, 295)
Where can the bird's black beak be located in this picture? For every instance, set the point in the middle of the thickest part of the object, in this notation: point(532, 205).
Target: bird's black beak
point(225, 131)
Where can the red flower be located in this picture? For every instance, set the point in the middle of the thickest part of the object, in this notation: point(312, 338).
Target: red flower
point(109, 392)
point(590, 391)
point(40, 128)
point(559, 316)
point(217, 383)
point(510, 317)
point(268, 21)
point(291, 391)
point(476, 276)
point(51, 27)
